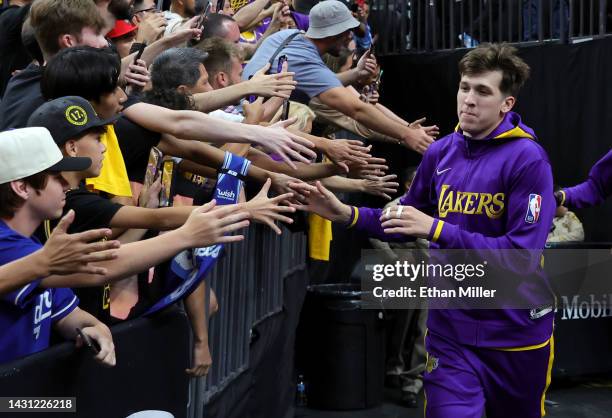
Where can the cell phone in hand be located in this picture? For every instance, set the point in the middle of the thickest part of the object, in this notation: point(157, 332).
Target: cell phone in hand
point(370, 50)
point(89, 342)
point(281, 60)
point(141, 49)
point(380, 73)
point(279, 68)
point(204, 15)
point(285, 112)
point(251, 97)
point(166, 193)
point(153, 167)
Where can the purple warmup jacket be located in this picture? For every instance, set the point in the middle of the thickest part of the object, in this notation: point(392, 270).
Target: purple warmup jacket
point(494, 193)
point(595, 189)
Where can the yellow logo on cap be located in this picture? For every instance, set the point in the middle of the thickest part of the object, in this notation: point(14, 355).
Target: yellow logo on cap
point(76, 115)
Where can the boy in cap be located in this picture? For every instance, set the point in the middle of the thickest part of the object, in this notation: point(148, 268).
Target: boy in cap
point(32, 189)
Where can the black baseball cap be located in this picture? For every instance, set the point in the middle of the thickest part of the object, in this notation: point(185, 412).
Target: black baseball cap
point(68, 118)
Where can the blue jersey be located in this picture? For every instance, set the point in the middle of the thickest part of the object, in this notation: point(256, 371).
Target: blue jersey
point(26, 315)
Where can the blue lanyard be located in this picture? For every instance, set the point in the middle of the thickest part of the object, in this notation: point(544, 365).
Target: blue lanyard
point(190, 267)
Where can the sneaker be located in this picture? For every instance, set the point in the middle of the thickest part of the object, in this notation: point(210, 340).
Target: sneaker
point(393, 381)
point(409, 399)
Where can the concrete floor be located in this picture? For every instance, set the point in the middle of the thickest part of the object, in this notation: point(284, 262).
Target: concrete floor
point(578, 398)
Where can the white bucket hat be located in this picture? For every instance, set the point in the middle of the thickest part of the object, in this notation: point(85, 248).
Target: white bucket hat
point(330, 18)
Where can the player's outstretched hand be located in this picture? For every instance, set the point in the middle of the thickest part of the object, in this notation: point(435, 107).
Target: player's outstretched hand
point(406, 220)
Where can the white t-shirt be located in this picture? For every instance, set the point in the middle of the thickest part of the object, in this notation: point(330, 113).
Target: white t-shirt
point(174, 20)
point(220, 114)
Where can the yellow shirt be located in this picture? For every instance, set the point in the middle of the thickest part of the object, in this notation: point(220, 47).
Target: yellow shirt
point(319, 237)
point(113, 178)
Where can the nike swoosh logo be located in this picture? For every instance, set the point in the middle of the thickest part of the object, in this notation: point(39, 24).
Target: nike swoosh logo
point(438, 172)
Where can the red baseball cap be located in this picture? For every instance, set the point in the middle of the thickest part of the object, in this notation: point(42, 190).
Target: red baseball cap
point(122, 27)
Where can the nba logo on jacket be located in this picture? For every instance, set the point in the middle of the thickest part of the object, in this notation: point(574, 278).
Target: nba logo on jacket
point(533, 208)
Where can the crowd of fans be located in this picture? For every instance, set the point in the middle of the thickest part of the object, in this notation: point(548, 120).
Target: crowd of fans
point(100, 99)
point(98, 96)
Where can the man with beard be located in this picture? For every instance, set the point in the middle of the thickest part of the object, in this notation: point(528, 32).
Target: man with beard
point(331, 24)
point(180, 10)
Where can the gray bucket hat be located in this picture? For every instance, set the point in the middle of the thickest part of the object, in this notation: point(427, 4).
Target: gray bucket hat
point(330, 18)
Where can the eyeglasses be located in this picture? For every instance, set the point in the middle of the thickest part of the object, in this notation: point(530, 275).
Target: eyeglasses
point(150, 9)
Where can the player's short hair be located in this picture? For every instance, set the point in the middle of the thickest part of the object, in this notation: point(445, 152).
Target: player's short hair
point(53, 18)
point(497, 57)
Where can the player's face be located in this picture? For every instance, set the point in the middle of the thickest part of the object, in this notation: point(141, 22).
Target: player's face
point(481, 105)
point(49, 202)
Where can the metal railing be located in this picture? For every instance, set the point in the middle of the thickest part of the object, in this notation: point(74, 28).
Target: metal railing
point(248, 283)
point(426, 25)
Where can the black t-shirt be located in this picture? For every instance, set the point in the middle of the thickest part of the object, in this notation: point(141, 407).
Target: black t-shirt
point(21, 98)
point(14, 55)
point(91, 212)
point(135, 143)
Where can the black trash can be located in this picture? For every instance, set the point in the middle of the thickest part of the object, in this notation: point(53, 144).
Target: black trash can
point(344, 349)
